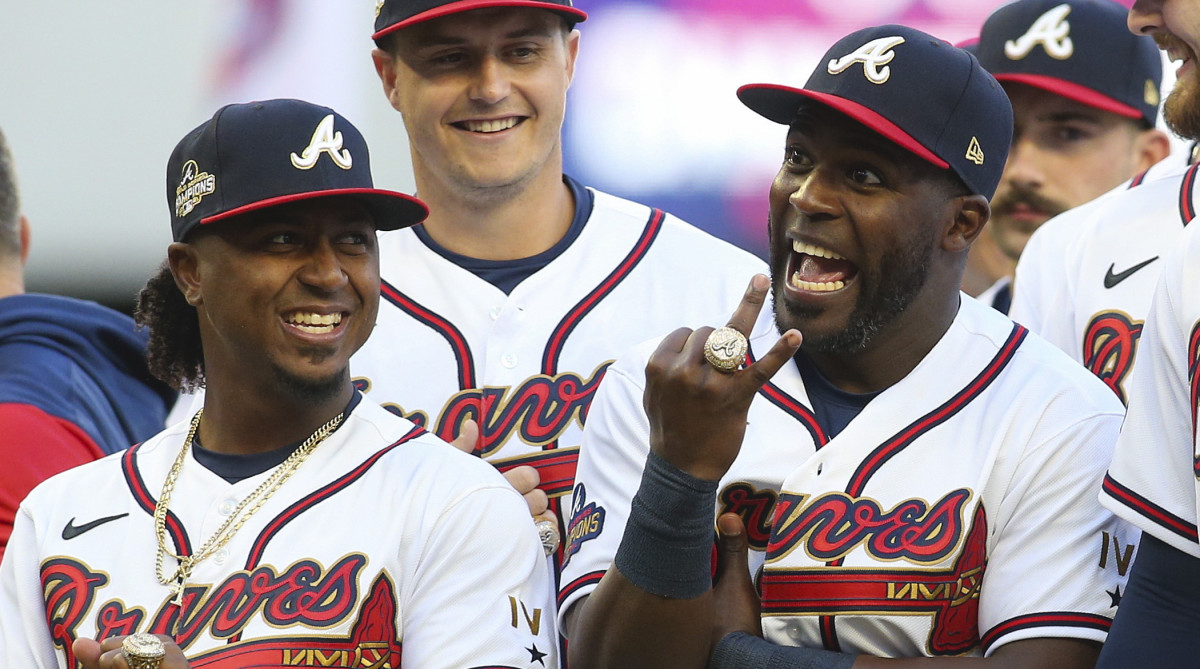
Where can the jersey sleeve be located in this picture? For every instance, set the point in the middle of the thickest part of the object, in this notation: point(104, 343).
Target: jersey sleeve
point(1152, 479)
point(33, 447)
point(1059, 559)
point(483, 594)
point(1043, 289)
point(616, 441)
point(24, 636)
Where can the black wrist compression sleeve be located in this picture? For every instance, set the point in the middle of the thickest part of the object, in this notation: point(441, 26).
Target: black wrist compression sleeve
point(739, 650)
point(667, 546)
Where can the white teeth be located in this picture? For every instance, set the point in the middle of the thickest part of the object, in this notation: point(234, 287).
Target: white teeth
point(314, 323)
point(809, 249)
point(816, 286)
point(491, 126)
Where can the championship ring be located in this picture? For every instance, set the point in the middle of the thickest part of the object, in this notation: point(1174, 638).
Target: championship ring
point(143, 651)
point(548, 533)
point(726, 349)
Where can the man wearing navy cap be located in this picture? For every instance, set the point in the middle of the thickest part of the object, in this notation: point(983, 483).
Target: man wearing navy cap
point(288, 522)
point(914, 475)
point(1085, 95)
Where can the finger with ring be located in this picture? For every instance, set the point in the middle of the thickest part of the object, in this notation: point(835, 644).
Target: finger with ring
point(725, 349)
point(548, 533)
point(143, 651)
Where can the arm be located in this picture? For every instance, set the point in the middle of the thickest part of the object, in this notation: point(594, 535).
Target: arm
point(697, 415)
point(33, 447)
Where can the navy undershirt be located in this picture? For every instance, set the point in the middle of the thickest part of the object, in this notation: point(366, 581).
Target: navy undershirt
point(234, 467)
point(506, 274)
point(834, 407)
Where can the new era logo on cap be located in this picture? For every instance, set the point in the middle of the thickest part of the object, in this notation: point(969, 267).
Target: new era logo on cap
point(392, 15)
point(261, 154)
point(1079, 49)
point(883, 77)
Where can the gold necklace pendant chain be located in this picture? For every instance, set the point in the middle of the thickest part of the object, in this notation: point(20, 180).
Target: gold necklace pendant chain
point(244, 510)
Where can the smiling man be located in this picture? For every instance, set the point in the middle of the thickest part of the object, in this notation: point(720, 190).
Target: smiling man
point(908, 467)
point(523, 284)
point(1085, 94)
point(237, 537)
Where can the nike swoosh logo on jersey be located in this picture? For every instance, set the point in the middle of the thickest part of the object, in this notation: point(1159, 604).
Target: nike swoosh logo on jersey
point(1111, 279)
point(72, 530)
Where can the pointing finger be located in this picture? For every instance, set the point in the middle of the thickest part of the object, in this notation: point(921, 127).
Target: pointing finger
point(752, 301)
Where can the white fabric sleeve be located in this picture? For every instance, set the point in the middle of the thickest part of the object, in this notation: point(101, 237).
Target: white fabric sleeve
point(482, 593)
point(24, 636)
point(1152, 479)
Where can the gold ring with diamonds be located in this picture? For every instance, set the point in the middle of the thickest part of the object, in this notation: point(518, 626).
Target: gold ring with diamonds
point(143, 651)
point(548, 533)
point(726, 349)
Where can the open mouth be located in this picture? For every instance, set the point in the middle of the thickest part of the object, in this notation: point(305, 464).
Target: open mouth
point(488, 127)
point(816, 269)
point(314, 323)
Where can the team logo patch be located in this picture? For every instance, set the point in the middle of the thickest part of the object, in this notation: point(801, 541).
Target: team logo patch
point(587, 522)
point(1109, 346)
point(1051, 30)
point(193, 186)
point(874, 56)
point(324, 140)
point(975, 152)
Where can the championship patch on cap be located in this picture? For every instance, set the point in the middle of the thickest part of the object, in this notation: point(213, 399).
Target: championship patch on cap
point(1079, 49)
point(262, 154)
point(392, 15)
point(959, 119)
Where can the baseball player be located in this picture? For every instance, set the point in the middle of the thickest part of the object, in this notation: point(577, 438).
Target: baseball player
point(289, 523)
point(916, 472)
point(522, 286)
point(1085, 95)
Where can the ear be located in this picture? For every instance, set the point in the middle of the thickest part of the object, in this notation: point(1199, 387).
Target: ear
point(25, 236)
point(385, 67)
point(1149, 147)
point(185, 266)
point(572, 54)
point(971, 214)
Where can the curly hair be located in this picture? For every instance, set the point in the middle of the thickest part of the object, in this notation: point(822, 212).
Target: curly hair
point(175, 355)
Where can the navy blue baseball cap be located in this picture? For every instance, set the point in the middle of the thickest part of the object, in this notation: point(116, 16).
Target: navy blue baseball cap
point(926, 95)
point(1079, 49)
point(261, 154)
point(392, 15)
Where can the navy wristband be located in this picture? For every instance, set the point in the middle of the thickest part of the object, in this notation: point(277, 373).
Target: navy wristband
point(667, 546)
point(738, 650)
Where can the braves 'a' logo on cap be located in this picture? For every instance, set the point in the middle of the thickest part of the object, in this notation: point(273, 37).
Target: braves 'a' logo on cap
point(192, 188)
point(874, 56)
point(975, 151)
point(378, 8)
point(324, 140)
point(1051, 30)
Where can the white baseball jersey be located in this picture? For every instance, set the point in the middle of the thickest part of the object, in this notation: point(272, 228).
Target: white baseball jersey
point(1085, 280)
point(955, 514)
point(385, 546)
point(1154, 480)
point(526, 365)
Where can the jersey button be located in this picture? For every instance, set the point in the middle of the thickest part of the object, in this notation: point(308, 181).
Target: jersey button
point(509, 360)
point(227, 507)
point(495, 313)
point(221, 556)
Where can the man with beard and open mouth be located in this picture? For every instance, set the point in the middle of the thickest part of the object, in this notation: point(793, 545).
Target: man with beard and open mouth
point(288, 522)
point(1154, 480)
point(913, 474)
point(1085, 94)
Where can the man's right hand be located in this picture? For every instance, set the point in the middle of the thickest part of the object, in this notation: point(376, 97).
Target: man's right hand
point(524, 478)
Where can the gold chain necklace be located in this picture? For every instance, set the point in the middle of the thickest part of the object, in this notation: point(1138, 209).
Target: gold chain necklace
point(254, 501)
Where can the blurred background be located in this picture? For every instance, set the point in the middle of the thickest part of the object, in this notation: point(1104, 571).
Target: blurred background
point(96, 94)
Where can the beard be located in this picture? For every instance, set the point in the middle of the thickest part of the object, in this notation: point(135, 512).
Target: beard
point(1181, 110)
point(887, 291)
point(312, 391)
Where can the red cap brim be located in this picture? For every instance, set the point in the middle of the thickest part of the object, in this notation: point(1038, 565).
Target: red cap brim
point(779, 103)
point(1072, 91)
point(577, 15)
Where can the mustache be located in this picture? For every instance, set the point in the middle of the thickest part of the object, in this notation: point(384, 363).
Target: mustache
point(1016, 195)
point(1169, 42)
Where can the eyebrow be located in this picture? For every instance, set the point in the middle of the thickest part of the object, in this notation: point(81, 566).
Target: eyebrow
point(442, 39)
